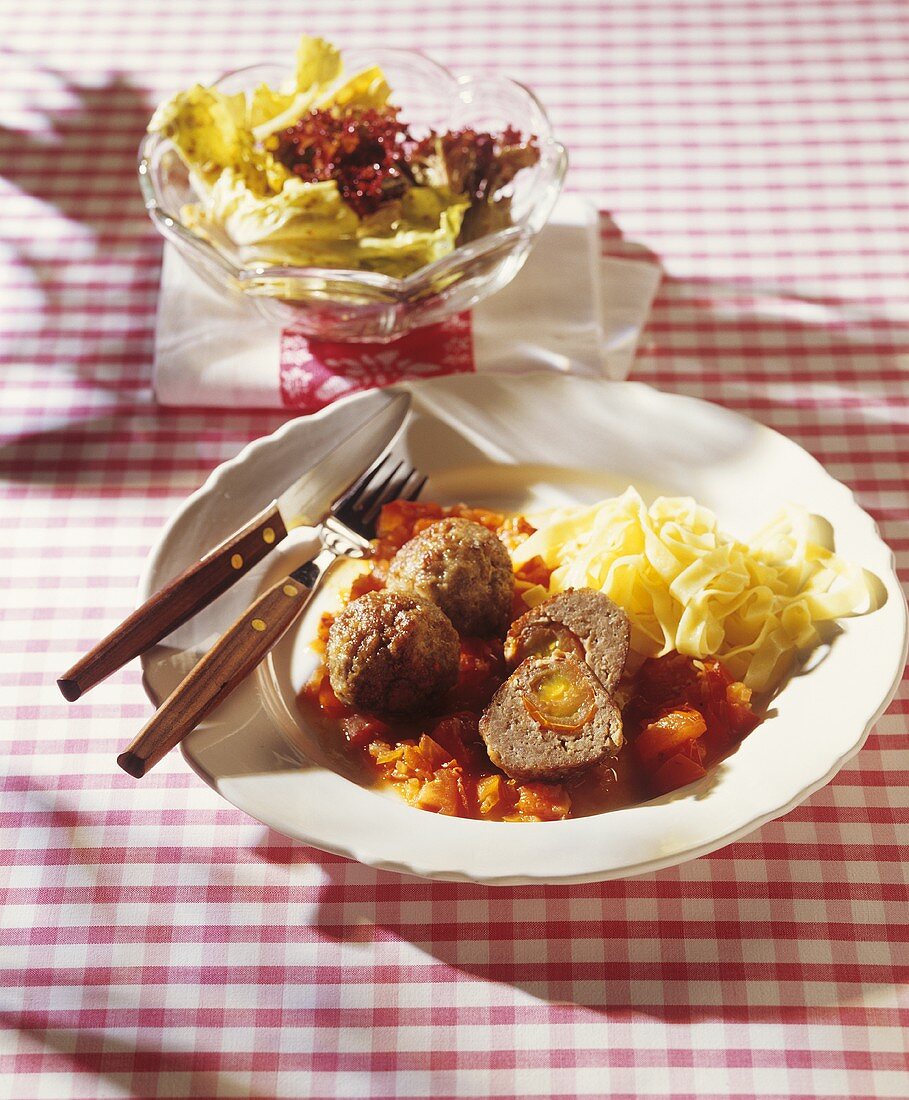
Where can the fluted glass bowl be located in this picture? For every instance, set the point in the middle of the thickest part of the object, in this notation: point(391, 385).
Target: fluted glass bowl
point(351, 305)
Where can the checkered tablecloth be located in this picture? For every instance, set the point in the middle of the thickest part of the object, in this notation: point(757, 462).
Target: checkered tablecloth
point(154, 942)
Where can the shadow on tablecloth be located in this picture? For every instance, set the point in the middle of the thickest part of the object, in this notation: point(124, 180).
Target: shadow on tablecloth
point(794, 363)
point(739, 935)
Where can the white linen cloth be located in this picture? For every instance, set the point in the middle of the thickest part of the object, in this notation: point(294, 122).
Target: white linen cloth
point(568, 309)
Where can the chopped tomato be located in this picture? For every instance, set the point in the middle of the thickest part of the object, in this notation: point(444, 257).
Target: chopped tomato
point(467, 791)
point(662, 681)
point(542, 802)
point(489, 793)
point(368, 582)
point(676, 682)
point(481, 670)
point(424, 524)
point(454, 732)
point(400, 520)
point(360, 729)
point(712, 681)
point(324, 626)
point(742, 719)
point(328, 702)
point(383, 753)
point(514, 531)
point(442, 795)
point(420, 760)
point(662, 737)
point(434, 753)
point(694, 750)
point(725, 704)
point(534, 572)
point(397, 520)
point(677, 771)
point(483, 516)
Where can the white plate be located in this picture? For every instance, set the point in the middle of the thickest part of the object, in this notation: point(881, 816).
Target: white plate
point(518, 442)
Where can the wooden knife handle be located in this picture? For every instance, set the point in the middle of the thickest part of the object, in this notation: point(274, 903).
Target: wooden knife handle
point(178, 601)
point(233, 657)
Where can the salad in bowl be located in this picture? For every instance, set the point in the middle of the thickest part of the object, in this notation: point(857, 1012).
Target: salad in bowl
point(359, 196)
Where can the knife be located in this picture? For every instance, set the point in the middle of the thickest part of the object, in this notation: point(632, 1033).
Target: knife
point(223, 566)
point(344, 532)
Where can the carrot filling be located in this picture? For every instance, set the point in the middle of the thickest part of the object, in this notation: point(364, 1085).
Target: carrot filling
point(559, 699)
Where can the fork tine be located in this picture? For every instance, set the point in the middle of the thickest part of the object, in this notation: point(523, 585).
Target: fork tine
point(408, 489)
point(375, 493)
point(393, 489)
point(414, 491)
point(350, 497)
point(388, 479)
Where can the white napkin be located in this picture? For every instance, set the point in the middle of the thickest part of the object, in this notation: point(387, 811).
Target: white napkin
point(567, 310)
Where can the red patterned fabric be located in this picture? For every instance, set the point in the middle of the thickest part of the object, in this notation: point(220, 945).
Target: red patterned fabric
point(314, 373)
point(155, 942)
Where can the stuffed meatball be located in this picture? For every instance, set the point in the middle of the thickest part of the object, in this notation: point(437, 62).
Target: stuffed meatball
point(392, 654)
point(580, 622)
point(551, 719)
point(462, 568)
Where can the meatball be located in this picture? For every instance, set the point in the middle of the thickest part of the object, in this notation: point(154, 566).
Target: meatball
point(580, 622)
point(551, 719)
point(392, 654)
point(462, 568)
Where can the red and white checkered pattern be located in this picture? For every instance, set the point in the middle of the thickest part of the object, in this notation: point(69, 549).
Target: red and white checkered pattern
point(153, 941)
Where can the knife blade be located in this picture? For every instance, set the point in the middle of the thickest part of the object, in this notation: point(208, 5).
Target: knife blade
point(305, 501)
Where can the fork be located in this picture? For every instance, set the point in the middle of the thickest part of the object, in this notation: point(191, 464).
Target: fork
point(344, 532)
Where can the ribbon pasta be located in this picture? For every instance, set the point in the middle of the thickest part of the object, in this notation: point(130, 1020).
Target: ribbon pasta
point(688, 586)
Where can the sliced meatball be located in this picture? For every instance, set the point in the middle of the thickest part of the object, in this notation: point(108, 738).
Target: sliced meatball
point(462, 568)
point(579, 621)
point(391, 654)
point(551, 719)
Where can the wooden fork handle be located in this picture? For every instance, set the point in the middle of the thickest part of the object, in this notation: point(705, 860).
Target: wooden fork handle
point(178, 601)
point(230, 660)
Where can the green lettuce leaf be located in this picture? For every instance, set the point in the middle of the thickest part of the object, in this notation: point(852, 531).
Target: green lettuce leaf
point(367, 89)
point(299, 211)
point(207, 128)
point(319, 67)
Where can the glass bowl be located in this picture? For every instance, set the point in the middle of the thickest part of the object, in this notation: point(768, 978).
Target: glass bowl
point(348, 305)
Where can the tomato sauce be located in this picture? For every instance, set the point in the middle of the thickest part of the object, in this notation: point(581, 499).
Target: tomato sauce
point(681, 715)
